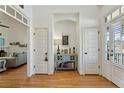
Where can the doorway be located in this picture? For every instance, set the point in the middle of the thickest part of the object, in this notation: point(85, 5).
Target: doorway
point(66, 40)
point(114, 54)
point(13, 43)
point(41, 50)
point(90, 48)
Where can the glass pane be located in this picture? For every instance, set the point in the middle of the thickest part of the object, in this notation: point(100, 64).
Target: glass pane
point(10, 10)
point(25, 20)
point(122, 9)
point(115, 13)
point(107, 46)
point(109, 18)
point(117, 44)
point(2, 41)
point(122, 44)
point(2, 7)
point(19, 16)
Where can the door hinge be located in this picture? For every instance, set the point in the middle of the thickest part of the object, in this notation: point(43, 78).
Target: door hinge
point(98, 32)
point(34, 50)
point(34, 66)
point(98, 49)
point(99, 66)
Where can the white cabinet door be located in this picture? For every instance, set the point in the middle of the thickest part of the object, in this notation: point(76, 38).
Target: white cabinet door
point(40, 48)
point(91, 51)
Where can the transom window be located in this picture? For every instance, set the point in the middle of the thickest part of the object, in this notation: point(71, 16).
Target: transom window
point(114, 14)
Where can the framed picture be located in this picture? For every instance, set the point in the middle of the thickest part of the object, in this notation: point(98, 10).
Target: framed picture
point(65, 40)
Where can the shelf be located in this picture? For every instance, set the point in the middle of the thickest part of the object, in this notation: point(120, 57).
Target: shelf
point(4, 46)
point(65, 54)
point(66, 68)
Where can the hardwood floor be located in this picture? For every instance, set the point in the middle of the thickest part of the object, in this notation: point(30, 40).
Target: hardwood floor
point(14, 78)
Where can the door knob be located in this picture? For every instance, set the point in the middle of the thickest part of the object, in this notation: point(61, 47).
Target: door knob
point(85, 53)
point(111, 54)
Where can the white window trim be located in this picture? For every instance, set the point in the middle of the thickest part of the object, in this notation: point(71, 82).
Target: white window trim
point(21, 21)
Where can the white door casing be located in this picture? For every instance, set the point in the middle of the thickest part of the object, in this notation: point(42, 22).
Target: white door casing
point(40, 48)
point(90, 51)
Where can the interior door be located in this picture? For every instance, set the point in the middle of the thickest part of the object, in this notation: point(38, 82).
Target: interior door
point(91, 51)
point(114, 48)
point(40, 50)
point(107, 67)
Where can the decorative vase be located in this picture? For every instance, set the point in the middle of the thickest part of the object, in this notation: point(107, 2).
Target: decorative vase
point(73, 50)
point(69, 50)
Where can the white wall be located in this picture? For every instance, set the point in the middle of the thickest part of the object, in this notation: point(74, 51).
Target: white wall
point(42, 17)
point(66, 27)
point(42, 14)
point(28, 12)
point(110, 71)
point(16, 33)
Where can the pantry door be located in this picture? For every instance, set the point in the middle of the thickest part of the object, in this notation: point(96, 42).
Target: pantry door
point(40, 50)
point(90, 51)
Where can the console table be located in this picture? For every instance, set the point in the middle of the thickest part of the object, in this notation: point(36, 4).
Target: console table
point(65, 61)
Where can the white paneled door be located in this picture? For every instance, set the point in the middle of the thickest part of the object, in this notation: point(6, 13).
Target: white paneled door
point(40, 50)
point(90, 53)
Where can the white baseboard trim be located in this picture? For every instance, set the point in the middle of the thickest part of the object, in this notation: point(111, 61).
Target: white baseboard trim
point(118, 82)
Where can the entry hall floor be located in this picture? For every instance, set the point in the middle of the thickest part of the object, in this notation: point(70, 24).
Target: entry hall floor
point(16, 78)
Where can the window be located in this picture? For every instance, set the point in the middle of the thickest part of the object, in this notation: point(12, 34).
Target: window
point(25, 20)
point(107, 45)
point(2, 41)
point(115, 13)
point(118, 36)
point(122, 9)
point(19, 16)
point(108, 18)
point(122, 44)
point(10, 10)
point(117, 43)
point(2, 7)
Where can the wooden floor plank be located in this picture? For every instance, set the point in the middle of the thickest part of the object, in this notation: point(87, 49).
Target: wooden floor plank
point(16, 78)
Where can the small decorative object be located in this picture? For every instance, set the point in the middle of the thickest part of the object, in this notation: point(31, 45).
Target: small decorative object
point(10, 43)
point(65, 51)
point(73, 50)
point(46, 59)
point(17, 43)
point(58, 42)
point(69, 50)
point(62, 51)
point(65, 40)
point(58, 50)
point(22, 45)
